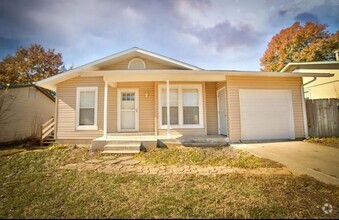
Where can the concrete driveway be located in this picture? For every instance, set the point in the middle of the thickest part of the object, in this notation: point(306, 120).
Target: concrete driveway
point(315, 160)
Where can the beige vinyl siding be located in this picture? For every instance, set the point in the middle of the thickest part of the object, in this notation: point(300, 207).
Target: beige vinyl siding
point(66, 126)
point(28, 110)
point(67, 107)
point(220, 85)
point(182, 131)
point(234, 83)
point(123, 65)
point(211, 108)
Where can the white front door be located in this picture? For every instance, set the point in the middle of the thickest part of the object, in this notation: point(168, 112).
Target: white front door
point(128, 110)
point(221, 111)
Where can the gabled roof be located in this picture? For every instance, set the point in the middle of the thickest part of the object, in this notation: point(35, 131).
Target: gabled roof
point(315, 67)
point(130, 53)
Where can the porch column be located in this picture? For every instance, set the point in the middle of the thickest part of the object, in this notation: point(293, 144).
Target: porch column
point(105, 109)
point(168, 109)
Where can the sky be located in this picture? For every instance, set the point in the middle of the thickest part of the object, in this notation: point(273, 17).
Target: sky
point(210, 34)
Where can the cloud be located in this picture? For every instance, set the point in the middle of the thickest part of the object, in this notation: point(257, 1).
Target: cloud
point(202, 32)
point(225, 36)
point(305, 17)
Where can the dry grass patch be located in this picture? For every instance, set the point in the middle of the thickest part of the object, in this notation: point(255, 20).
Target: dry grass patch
point(330, 142)
point(217, 156)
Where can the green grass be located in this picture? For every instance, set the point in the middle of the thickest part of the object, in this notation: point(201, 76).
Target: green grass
point(220, 156)
point(330, 142)
point(33, 186)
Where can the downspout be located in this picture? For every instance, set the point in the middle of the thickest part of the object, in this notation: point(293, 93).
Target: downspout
point(314, 79)
point(304, 105)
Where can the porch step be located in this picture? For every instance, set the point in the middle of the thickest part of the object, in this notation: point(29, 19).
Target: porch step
point(131, 134)
point(122, 148)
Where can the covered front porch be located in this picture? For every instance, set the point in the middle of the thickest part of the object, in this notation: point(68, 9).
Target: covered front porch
point(136, 110)
point(144, 103)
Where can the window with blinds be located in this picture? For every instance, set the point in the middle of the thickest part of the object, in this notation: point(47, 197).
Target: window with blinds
point(174, 107)
point(186, 109)
point(190, 106)
point(86, 108)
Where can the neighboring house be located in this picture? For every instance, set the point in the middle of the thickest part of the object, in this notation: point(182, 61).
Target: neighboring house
point(128, 93)
point(23, 108)
point(318, 88)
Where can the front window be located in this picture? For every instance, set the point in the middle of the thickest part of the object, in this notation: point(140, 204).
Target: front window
point(191, 106)
point(174, 109)
point(87, 108)
point(185, 106)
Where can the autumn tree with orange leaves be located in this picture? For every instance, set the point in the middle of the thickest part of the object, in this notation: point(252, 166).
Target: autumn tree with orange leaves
point(300, 43)
point(29, 65)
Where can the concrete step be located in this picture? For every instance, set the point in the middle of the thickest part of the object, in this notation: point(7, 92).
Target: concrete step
point(124, 142)
point(120, 152)
point(122, 148)
point(131, 134)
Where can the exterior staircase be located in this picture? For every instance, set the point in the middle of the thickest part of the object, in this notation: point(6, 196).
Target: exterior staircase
point(122, 147)
point(47, 132)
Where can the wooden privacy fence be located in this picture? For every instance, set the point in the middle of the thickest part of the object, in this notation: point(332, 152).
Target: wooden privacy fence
point(323, 117)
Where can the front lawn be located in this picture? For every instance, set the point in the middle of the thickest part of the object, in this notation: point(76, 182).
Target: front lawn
point(215, 156)
point(330, 142)
point(34, 186)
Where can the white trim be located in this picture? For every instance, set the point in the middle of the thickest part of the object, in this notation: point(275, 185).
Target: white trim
point(168, 133)
point(304, 111)
point(136, 59)
point(295, 65)
point(87, 127)
point(180, 87)
point(223, 88)
point(105, 109)
point(120, 90)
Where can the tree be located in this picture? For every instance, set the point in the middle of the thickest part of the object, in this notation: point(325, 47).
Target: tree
point(300, 43)
point(29, 65)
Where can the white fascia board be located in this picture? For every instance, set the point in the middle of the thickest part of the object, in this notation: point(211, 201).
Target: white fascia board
point(292, 66)
point(316, 71)
point(208, 73)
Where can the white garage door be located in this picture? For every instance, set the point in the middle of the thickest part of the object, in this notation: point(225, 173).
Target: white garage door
point(266, 114)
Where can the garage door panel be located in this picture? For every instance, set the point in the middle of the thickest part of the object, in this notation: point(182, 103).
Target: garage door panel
point(266, 114)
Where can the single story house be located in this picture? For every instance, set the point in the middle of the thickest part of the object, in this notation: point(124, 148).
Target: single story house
point(318, 87)
point(132, 95)
point(23, 109)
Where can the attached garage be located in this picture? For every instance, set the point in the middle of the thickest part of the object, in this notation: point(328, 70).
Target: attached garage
point(266, 114)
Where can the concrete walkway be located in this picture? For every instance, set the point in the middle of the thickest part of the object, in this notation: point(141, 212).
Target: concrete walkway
point(129, 165)
point(315, 160)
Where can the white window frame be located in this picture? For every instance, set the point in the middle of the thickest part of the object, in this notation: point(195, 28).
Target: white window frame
point(170, 106)
point(180, 88)
point(135, 59)
point(86, 127)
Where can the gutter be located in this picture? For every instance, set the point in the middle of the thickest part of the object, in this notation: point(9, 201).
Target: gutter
point(314, 79)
